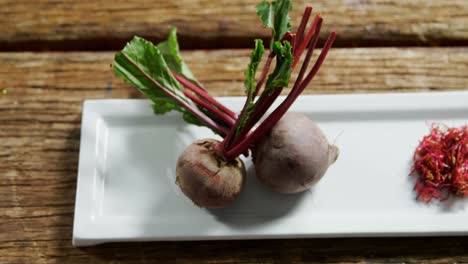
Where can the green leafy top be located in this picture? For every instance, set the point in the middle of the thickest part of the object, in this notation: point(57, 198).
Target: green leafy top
point(249, 83)
point(284, 59)
point(275, 16)
point(143, 65)
point(170, 50)
point(251, 70)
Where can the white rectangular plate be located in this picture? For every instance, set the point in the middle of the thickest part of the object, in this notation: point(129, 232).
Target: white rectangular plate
point(126, 189)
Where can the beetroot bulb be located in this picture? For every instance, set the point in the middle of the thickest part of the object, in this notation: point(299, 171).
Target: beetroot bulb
point(207, 179)
point(294, 155)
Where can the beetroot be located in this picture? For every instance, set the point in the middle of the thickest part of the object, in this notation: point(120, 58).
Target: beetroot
point(207, 179)
point(294, 155)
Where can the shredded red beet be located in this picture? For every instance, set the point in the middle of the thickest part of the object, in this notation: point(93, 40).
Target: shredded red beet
point(441, 163)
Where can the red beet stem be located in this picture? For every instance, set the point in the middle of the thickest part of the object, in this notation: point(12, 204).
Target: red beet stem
point(264, 73)
point(311, 47)
point(228, 140)
point(293, 42)
point(289, 37)
point(276, 115)
point(302, 45)
point(318, 63)
point(203, 94)
point(264, 104)
point(216, 112)
point(302, 26)
point(205, 119)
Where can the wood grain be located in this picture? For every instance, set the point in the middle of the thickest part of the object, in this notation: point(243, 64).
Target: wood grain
point(104, 24)
point(39, 141)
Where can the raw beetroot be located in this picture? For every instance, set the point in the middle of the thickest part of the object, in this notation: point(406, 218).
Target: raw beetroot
point(206, 178)
point(294, 155)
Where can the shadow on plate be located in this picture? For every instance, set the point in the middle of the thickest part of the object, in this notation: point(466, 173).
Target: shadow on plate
point(257, 205)
point(138, 166)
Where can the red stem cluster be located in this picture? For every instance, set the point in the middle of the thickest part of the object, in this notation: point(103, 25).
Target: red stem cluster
point(266, 100)
point(244, 141)
point(276, 115)
point(204, 95)
point(194, 110)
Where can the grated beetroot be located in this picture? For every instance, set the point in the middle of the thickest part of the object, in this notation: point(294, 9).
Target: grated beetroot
point(441, 163)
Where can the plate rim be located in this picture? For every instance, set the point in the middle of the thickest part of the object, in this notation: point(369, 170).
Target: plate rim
point(93, 112)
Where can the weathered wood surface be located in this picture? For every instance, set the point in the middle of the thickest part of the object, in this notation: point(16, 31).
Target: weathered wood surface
point(39, 141)
point(104, 24)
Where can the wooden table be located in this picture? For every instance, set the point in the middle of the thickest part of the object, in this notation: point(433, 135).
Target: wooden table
point(55, 54)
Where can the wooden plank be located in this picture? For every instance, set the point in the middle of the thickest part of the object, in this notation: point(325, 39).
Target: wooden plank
point(63, 78)
point(100, 24)
point(356, 250)
point(40, 119)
